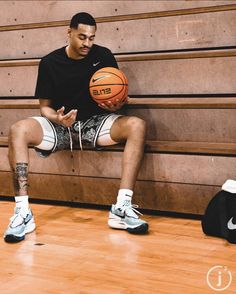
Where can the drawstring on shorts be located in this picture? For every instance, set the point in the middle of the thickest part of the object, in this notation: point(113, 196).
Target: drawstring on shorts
point(78, 125)
point(80, 137)
point(71, 143)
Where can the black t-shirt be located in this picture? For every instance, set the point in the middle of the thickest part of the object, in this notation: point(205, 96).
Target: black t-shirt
point(65, 81)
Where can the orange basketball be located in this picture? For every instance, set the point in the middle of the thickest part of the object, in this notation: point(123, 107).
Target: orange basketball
point(108, 84)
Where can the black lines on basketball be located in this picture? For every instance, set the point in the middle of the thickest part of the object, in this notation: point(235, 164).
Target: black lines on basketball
point(108, 84)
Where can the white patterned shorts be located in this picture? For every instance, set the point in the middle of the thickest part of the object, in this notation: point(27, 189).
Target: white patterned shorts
point(94, 131)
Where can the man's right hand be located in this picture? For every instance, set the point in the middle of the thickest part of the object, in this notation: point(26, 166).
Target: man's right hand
point(68, 119)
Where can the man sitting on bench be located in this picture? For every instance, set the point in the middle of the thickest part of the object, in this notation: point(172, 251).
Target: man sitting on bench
point(69, 116)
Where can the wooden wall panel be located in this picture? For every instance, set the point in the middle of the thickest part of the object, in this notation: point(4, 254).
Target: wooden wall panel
point(188, 76)
point(199, 125)
point(170, 33)
point(183, 76)
point(32, 43)
point(204, 125)
point(176, 168)
point(63, 10)
point(9, 116)
point(18, 81)
point(178, 32)
point(162, 196)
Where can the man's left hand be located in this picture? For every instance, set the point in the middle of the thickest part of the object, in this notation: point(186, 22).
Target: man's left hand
point(113, 106)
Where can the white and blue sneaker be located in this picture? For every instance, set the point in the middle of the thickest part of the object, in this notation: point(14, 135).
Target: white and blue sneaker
point(126, 218)
point(21, 223)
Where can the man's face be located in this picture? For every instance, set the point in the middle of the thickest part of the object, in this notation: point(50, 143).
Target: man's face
point(81, 39)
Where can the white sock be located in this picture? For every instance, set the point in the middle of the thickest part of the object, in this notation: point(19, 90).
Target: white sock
point(124, 197)
point(22, 202)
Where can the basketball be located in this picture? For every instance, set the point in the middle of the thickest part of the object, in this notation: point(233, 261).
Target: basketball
point(108, 84)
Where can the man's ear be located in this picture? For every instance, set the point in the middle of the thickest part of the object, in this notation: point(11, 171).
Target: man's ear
point(69, 32)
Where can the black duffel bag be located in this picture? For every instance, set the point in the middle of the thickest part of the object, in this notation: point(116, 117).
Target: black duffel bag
point(219, 219)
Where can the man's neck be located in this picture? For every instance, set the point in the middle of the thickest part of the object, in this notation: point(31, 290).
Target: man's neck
point(72, 54)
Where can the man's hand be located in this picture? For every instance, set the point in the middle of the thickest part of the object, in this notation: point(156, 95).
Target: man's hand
point(113, 106)
point(68, 119)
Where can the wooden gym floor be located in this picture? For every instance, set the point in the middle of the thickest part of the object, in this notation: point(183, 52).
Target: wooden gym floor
point(73, 251)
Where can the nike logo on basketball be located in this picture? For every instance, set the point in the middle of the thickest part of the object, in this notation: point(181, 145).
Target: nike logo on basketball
point(100, 78)
point(230, 224)
point(97, 63)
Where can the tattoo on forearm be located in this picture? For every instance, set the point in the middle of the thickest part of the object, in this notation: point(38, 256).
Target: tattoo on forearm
point(20, 178)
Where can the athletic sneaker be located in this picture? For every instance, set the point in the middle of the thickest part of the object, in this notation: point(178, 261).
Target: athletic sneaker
point(127, 218)
point(20, 224)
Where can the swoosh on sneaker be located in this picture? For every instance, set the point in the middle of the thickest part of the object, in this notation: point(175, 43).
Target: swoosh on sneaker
point(27, 218)
point(230, 225)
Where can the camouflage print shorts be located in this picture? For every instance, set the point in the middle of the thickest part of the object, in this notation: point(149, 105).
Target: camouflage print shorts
point(81, 132)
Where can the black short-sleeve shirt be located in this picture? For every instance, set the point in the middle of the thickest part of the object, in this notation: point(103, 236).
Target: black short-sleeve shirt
point(65, 81)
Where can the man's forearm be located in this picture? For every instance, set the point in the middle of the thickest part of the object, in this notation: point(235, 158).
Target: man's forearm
point(49, 113)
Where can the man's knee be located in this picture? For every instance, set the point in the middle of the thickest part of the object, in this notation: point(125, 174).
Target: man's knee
point(136, 125)
point(25, 130)
point(17, 129)
point(128, 126)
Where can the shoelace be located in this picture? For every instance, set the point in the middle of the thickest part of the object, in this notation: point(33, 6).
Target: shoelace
point(16, 212)
point(132, 207)
point(16, 215)
point(78, 125)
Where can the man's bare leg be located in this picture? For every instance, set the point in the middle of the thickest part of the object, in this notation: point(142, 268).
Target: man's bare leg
point(22, 134)
point(132, 130)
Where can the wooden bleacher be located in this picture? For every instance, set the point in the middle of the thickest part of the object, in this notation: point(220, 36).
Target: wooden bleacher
point(183, 85)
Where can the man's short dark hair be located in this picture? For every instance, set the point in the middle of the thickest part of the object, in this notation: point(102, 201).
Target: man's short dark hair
point(83, 18)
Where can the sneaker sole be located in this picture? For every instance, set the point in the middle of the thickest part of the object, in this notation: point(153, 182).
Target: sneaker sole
point(14, 238)
point(141, 229)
